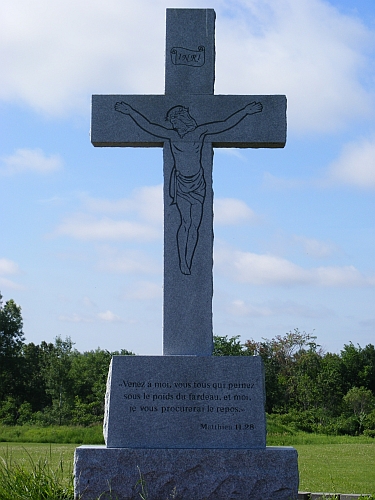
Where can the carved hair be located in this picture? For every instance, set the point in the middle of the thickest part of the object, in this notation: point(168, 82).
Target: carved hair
point(183, 115)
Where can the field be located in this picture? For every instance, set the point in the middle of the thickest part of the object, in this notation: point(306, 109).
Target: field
point(326, 466)
point(337, 468)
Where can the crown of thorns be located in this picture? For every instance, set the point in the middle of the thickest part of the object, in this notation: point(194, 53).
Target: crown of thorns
point(176, 111)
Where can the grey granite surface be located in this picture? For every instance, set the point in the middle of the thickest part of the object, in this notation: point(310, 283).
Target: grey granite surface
point(258, 474)
point(188, 122)
point(185, 402)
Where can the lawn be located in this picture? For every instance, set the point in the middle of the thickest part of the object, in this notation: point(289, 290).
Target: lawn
point(337, 468)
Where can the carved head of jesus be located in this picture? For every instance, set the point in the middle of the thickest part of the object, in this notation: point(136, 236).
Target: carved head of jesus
point(181, 120)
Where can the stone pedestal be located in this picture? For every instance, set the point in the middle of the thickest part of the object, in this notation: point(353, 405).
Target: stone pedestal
point(186, 474)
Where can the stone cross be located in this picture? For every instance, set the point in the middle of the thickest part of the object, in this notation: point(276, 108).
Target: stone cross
point(188, 121)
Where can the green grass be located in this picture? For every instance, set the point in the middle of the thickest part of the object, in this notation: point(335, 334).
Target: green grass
point(337, 468)
point(330, 464)
point(52, 434)
point(24, 453)
point(304, 438)
point(335, 464)
point(36, 472)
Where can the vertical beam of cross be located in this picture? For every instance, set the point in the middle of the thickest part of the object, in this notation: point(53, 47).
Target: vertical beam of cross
point(188, 283)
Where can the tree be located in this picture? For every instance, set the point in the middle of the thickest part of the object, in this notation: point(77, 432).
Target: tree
point(11, 341)
point(359, 366)
point(361, 401)
point(280, 356)
point(34, 359)
point(57, 366)
point(229, 347)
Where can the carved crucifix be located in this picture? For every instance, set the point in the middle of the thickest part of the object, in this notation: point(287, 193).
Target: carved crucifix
point(188, 121)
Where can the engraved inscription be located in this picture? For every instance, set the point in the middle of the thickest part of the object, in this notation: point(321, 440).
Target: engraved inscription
point(192, 397)
point(188, 57)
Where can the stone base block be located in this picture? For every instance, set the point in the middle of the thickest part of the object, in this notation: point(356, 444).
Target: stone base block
point(186, 474)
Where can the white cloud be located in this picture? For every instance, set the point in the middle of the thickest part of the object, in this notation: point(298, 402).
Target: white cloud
point(109, 317)
point(315, 248)
point(144, 290)
point(307, 50)
point(6, 283)
point(278, 183)
point(30, 160)
point(240, 307)
point(231, 152)
point(356, 164)
point(146, 202)
point(255, 269)
point(75, 318)
point(55, 54)
point(128, 262)
point(230, 211)
point(88, 302)
point(86, 227)
point(106, 316)
point(8, 267)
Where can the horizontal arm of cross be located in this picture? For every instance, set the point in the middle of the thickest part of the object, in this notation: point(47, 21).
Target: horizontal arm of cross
point(265, 129)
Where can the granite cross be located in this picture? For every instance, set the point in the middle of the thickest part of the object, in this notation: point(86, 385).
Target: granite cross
point(188, 121)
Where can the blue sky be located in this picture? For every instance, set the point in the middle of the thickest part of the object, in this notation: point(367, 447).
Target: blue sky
point(81, 227)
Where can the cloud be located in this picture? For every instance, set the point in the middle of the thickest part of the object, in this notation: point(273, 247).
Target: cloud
point(109, 317)
point(356, 165)
point(255, 269)
point(146, 202)
point(56, 54)
point(272, 182)
point(128, 262)
point(75, 318)
point(230, 211)
point(30, 160)
point(308, 50)
point(87, 302)
point(6, 283)
point(86, 227)
point(240, 307)
point(106, 316)
point(145, 290)
point(8, 267)
point(315, 248)
point(231, 152)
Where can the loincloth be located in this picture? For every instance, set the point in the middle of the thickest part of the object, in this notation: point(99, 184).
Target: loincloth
point(191, 188)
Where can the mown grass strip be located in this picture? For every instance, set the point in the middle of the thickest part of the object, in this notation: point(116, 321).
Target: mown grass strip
point(52, 434)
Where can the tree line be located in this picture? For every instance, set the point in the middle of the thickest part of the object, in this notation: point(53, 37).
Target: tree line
point(306, 388)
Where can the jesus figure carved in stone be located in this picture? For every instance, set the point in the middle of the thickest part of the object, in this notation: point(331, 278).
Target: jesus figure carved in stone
point(187, 186)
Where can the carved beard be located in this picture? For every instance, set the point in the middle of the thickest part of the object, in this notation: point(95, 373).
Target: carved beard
point(182, 128)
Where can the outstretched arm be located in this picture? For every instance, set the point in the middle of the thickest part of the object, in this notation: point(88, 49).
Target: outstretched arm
point(143, 122)
point(234, 119)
